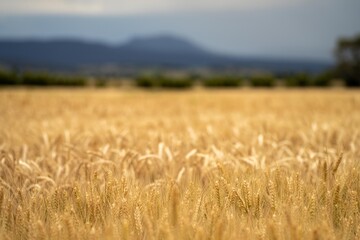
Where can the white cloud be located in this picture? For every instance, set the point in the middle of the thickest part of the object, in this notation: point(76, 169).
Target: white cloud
point(135, 6)
point(130, 6)
point(51, 6)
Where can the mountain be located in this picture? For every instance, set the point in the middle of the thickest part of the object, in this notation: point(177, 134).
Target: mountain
point(163, 43)
point(157, 51)
point(166, 51)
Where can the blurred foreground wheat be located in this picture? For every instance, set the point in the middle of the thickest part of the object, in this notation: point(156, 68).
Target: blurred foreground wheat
point(244, 164)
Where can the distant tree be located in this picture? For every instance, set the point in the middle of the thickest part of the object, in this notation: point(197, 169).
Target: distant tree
point(222, 82)
point(162, 81)
point(323, 79)
point(48, 79)
point(8, 78)
point(348, 60)
point(299, 80)
point(100, 83)
point(263, 81)
point(175, 83)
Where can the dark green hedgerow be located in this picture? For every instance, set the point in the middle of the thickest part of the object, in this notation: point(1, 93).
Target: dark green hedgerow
point(262, 81)
point(164, 82)
point(222, 82)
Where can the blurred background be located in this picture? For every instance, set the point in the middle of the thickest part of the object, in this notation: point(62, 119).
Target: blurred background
point(178, 44)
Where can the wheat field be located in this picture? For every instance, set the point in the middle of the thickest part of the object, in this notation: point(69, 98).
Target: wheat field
point(235, 164)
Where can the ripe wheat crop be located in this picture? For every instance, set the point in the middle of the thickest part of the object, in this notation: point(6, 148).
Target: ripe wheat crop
point(237, 164)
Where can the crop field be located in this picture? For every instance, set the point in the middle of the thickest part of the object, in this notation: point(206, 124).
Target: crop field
point(198, 164)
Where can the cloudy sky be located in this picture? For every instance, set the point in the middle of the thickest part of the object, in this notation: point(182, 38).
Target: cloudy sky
point(101, 7)
point(270, 28)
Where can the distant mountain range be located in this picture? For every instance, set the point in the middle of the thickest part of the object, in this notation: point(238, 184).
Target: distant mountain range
point(163, 51)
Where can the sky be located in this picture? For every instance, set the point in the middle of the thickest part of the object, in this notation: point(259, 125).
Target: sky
point(101, 7)
point(302, 29)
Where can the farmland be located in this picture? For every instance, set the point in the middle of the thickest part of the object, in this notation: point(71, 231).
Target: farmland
point(198, 164)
